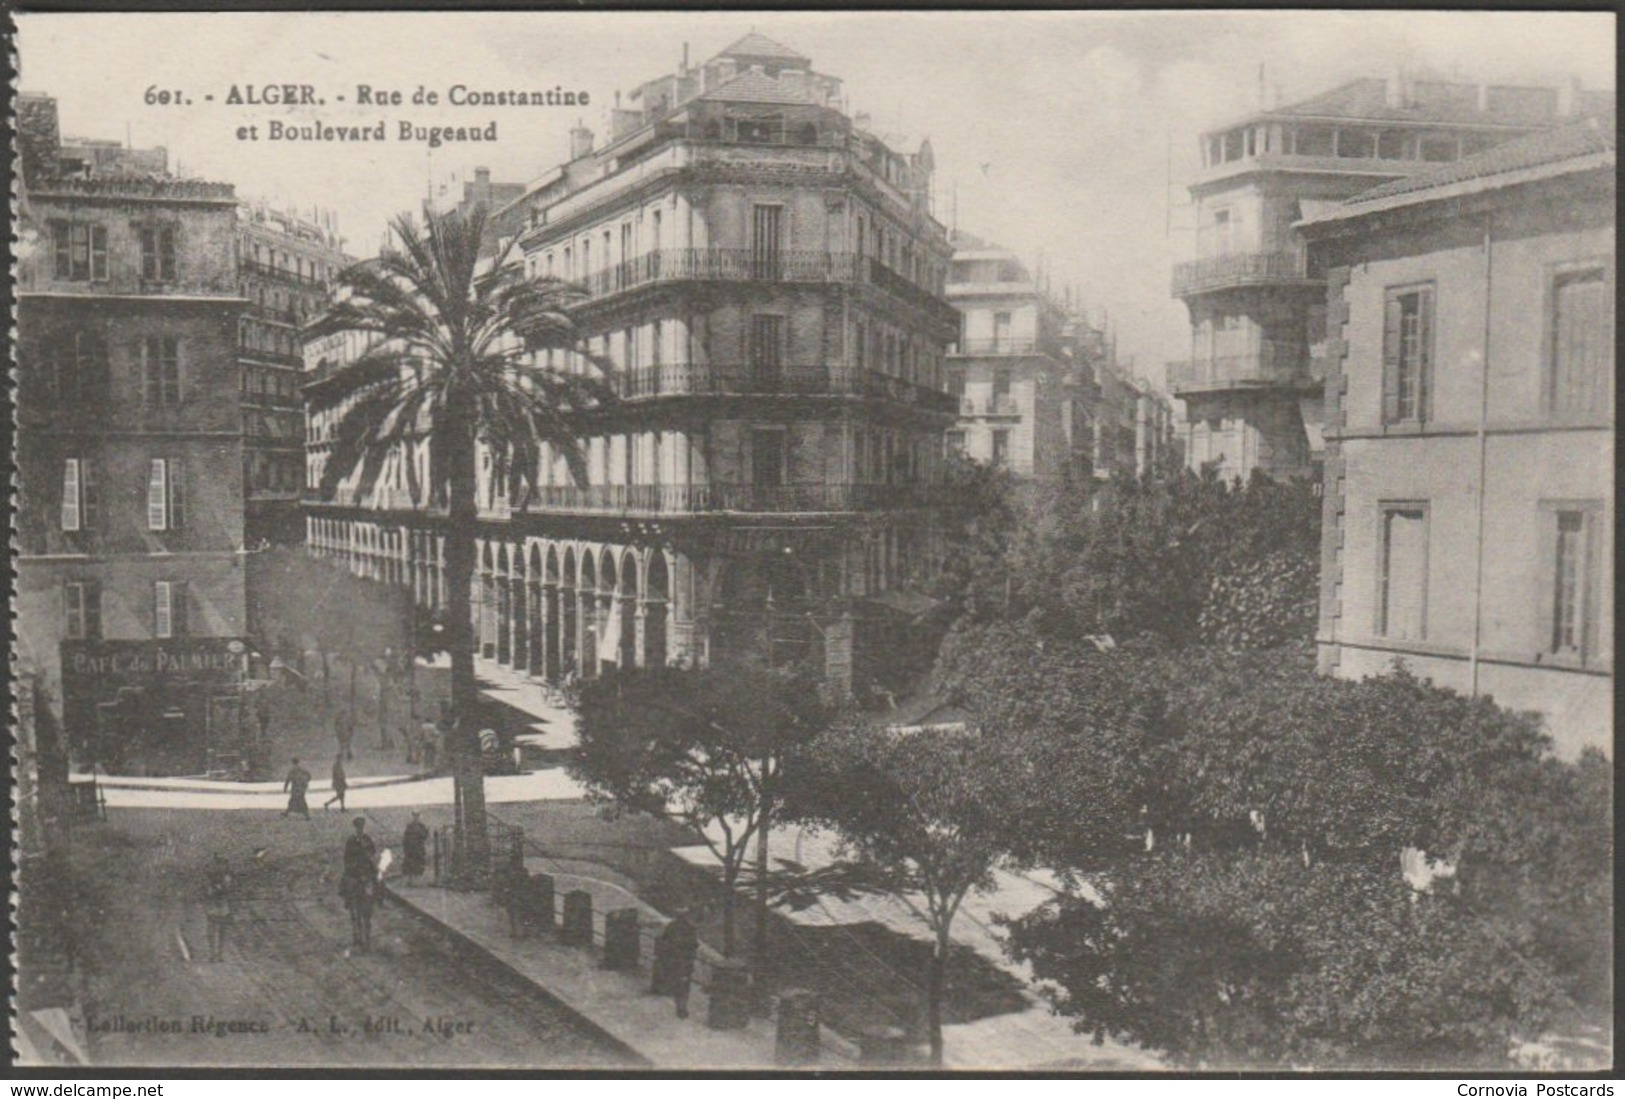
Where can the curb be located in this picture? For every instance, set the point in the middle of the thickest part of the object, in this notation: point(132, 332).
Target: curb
point(584, 1021)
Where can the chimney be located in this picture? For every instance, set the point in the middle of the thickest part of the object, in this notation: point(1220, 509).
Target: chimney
point(1568, 98)
point(580, 142)
point(1393, 92)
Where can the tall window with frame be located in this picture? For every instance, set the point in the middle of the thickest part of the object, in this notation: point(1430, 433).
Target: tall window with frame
point(165, 504)
point(767, 457)
point(169, 608)
point(158, 253)
point(78, 371)
point(766, 241)
point(1581, 352)
point(1572, 531)
point(81, 504)
point(80, 251)
point(161, 370)
point(1402, 572)
point(1407, 355)
point(1001, 448)
point(767, 339)
point(82, 607)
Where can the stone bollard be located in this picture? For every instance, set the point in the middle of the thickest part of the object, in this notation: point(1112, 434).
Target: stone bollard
point(797, 1035)
point(621, 939)
point(729, 994)
point(539, 910)
point(577, 927)
point(882, 1045)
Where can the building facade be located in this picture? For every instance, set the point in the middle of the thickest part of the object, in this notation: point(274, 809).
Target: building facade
point(1018, 389)
point(129, 450)
point(285, 264)
point(1469, 474)
point(1251, 385)
point(768, 279)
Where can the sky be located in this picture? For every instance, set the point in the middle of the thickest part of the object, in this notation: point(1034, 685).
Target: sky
point(1066, 136)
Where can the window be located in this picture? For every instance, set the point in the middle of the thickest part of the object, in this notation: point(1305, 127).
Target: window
point(1001, 331)
point(766, 344)
point(169, 608)
point(956, 442)
point(1570, 614)
point(956, 381)
point(1582, 352)
point(657, 343)
point(1407, 355)
point(164, 503)
point(81, 251)
point(158, 253)
point(161, 367)
point(766, 241)
point(767, 457)
point(78, 370)
point(82, 604)
point(1001, 389)
point(1001, 447)
point(1402, 573)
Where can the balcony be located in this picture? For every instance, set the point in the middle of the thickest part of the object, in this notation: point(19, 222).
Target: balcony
point(749, 265)
point(1003, 346)
point(1269, 364)
point(282, 274)
point(740, 380)
point(1000, 405)
point(1241, 269)
point(689, 499)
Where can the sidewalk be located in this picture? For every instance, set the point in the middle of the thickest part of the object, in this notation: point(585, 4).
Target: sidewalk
point(619, 1004)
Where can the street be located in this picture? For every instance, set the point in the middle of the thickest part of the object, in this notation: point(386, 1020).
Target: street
point(288, 992)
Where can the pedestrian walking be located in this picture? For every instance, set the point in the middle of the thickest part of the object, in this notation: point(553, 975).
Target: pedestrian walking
point(341, 783)
point(414, 849)
point(217, 895)
point(344, 730)
point(295, 785)
point(359, 882)
point(675, 951)
point(512, 881)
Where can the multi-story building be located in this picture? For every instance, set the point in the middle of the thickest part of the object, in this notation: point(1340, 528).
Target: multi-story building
point(1469, 503)
point(1010, 370)
point(767, 275)
point(1251, 385)
point(129, 591)
point(285, 263)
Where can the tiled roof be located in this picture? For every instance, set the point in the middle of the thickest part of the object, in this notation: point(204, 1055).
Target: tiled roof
point(759, 45)
point(1438, 101)
point(1531, 151)
point(755, 87)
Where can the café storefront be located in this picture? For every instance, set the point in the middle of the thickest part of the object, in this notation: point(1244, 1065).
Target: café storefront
point(153, 707)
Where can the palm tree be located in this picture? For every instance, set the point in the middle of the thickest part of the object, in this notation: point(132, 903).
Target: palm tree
point(448, 361)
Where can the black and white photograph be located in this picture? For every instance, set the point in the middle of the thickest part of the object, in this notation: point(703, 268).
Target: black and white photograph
point(843, 542)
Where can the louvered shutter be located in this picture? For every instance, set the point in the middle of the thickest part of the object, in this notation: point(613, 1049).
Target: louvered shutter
point(1392, 344)
point(1424, 355)
point(71, 517)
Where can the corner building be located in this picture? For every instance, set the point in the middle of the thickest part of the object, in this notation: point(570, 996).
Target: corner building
point(767, 277)
point(1252, 383)
point(129, 590)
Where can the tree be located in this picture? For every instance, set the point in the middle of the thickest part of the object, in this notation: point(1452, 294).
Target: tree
point(925, 812)
point(449, 366)
point(1279, 918)
point(709, 748)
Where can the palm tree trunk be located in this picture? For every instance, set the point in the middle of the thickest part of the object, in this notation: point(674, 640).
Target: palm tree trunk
point(468, 773)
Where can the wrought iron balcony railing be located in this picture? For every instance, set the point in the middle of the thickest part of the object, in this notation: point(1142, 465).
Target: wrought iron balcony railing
point(744, 380)
point(1239, 269)
point(1267, 364)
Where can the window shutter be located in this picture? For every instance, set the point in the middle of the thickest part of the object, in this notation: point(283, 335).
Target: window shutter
point(158, 496)
point(149, 252)
point(89, 495)
point(166, 255)
point(70, 495)
point(161, 624)
point(1424, 350)
point(98, 252)
point(149, 369)
point(63, 235)
point(179, 591)
point(177, 493)
point(1391, 345)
